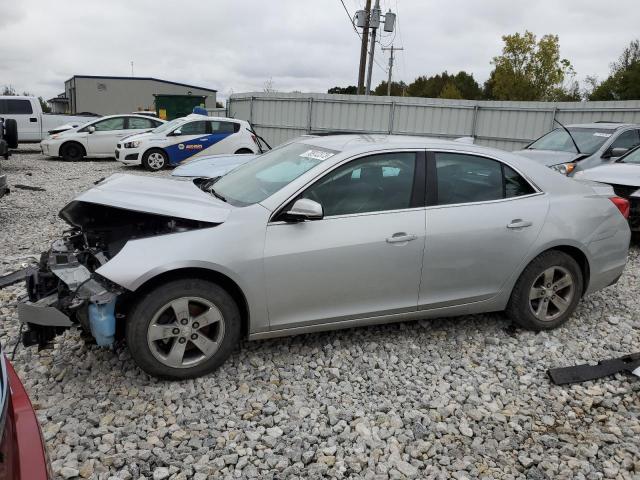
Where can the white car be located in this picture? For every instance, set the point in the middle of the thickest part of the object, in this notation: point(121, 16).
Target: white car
point(97, 138)
point(182, 139)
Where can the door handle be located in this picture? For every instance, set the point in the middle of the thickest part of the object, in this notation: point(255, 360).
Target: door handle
point(33, 120)
point(519, 223)
point(401, 237)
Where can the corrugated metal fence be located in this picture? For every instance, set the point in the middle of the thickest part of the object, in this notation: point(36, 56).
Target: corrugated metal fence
point(507, 125)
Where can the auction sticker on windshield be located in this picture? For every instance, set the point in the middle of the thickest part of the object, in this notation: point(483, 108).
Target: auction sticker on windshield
point(317, 154)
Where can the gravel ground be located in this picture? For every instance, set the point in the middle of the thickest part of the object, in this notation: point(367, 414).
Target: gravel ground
point(456, 398)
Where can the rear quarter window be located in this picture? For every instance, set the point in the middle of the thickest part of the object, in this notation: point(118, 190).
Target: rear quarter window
point(15, 106)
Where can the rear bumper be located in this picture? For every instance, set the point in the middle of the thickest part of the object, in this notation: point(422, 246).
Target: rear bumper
point(50, 148)
point(608, 258)
point(22, 444)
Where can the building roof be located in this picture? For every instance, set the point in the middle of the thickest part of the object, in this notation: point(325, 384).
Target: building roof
point(143, 78)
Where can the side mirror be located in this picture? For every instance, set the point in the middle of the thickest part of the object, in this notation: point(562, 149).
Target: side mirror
point(617, 152)
point(304, 209)
point(92, 129)
point(176, 132)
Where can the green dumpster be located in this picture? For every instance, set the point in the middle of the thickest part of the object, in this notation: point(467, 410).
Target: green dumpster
point(169, 107)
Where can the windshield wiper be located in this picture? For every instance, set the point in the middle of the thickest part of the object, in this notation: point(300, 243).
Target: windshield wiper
point(217, 195)
point(570, 136)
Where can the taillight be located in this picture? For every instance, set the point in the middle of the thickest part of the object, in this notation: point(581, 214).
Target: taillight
point(621, 204)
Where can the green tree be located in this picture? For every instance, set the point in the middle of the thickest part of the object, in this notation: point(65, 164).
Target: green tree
point(8, 90)
point(529, 69)
point(397, 89)
point(624, 81)
point(450, 91)
point(350, 90)
point(433, 87)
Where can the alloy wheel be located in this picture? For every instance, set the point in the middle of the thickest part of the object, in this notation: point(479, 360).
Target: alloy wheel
point(185, 332)
point(551, 293)
point(156, 160)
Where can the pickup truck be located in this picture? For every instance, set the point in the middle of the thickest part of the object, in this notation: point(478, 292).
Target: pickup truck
point(33, 124)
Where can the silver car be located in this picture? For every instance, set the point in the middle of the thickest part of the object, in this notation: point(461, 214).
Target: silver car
point(588, 146)
point(320, 234)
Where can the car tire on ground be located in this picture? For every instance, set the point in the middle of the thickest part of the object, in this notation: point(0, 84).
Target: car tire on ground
point(183, 329)
point(72, 152)
point(154, 160)
point(11, 132)
point(243, 151)
point(547, 292)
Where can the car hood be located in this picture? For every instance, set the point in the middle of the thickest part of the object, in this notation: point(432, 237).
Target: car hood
point(140, 136)
point(550, 157)
point(211, 166)
point(159, 196)
point(614, 173)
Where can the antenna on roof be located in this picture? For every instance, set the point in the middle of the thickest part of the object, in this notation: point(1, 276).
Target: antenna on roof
point(132, 68)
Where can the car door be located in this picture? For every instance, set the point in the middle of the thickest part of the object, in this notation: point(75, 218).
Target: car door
point(190, 139)
point(363, 258)
point(106, 135)
point(222, 137)
point(482, 219)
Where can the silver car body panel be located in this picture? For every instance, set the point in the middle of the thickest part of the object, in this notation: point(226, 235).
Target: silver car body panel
point(343, 271)
point(614, 174)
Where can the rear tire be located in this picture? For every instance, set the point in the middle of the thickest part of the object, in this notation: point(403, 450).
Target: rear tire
point(243, 151)
point(155, 160)
point(11, 132)
point(547, 292)
point(72, 152)
point(183, 329)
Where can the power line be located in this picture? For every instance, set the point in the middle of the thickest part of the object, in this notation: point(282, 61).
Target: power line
point(350, 18)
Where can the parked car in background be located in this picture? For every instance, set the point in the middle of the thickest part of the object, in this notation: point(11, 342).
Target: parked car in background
point(97, 138)
point(319, 234)
point(595, 144)
point(33, 124)
point(185, 138)
point(211, 166)
point(23, 453)
point(624, 176)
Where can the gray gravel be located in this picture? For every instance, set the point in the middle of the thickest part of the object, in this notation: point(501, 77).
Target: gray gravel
point(460, 398)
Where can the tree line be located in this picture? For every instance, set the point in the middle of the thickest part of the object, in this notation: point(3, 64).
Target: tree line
point(529, 69)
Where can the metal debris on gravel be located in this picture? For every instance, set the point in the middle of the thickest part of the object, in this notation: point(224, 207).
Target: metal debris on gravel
point(462, 398)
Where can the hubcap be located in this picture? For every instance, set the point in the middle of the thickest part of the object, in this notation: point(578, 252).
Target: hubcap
point(551, 293)
point(156, 160)
point(185, 332)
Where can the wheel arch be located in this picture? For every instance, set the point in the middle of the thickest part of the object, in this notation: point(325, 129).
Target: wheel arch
point(213, 276)
point(70, 141)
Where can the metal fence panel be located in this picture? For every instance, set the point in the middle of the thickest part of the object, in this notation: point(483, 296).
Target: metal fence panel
point(507, 125)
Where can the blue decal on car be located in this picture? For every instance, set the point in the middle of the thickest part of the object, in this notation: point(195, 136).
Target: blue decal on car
point(180, 152)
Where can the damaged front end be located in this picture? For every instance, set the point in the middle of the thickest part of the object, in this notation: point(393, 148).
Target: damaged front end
point(65, 290)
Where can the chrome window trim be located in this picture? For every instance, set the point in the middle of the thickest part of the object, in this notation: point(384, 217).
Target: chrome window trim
point(277, 211)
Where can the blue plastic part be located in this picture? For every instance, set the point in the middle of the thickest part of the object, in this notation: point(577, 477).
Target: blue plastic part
point(102, 320)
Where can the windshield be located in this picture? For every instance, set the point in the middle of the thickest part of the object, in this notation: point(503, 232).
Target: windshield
point(632, 157)
point(165, 127)
point(588, 139)
point(264, 176)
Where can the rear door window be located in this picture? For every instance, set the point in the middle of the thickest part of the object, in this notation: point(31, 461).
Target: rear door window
point(223, 127)
point(137, 123)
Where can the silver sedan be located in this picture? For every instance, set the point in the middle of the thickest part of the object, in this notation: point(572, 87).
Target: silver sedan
point(324, 233)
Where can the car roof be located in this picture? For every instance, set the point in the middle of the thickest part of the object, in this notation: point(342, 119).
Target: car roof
point(595, 125)
point(197, 116)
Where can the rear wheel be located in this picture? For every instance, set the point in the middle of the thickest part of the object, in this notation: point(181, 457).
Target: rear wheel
point(11, 132)
point(72, 152)
point(547, 292)
point(243, 151)
point(155, 160)
point(183, 329)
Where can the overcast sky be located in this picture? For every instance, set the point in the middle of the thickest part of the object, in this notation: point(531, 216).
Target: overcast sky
point(237, 45)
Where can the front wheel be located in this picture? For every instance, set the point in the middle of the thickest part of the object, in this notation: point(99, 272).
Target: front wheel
point(72, 152)
point(155, 160)
point(183, 329)
point(547, 292)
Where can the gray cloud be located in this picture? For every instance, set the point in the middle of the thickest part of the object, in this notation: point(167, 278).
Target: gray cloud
point(301, 45)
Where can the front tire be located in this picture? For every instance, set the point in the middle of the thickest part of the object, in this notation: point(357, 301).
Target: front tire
point(244, 151)
point(547, 292)
point(155, 160)
point(183, 329)
point(72, 152)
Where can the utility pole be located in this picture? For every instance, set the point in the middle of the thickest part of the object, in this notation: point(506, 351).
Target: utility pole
point(392, 49)
point(363, 48)
point(372, 47)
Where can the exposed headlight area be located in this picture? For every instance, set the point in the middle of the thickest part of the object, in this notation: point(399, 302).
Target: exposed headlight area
point(564, 168)
point(134, 144)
